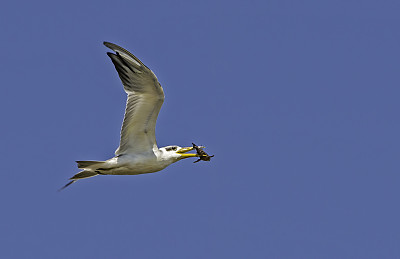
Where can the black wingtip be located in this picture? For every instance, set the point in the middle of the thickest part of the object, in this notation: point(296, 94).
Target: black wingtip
point(109, 45)
point(110, 54)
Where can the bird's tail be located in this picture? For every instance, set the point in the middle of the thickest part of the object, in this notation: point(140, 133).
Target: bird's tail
point(89, 170)
point(90, 164)
point(81, 175)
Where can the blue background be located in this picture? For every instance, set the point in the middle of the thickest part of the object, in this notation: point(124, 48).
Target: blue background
point(298, 100)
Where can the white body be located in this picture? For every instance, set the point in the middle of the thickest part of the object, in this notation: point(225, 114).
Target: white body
point(131, 164)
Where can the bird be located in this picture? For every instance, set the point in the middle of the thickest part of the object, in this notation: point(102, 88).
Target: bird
point(138, 152)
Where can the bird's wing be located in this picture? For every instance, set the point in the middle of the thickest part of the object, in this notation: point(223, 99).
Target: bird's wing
point(145, 98)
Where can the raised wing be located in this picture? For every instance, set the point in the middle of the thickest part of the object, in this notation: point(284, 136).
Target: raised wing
point(145, 98)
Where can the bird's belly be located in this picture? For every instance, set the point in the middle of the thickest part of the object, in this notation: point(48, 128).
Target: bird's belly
point(137, 167)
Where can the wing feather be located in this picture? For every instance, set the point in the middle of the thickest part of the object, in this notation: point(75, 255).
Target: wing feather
point(145, 98)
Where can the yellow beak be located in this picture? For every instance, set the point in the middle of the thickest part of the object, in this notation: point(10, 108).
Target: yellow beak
point(187, 149)
point(189, 155)
point(183, 150)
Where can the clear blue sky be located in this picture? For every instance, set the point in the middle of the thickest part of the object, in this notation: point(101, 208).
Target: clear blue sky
point(298, 100)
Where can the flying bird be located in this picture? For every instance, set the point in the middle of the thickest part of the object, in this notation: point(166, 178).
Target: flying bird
point(138, 152)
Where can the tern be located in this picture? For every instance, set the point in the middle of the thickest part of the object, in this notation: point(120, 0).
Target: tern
point(138, 152)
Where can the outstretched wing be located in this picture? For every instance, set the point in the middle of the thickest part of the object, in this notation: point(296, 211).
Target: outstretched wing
point(145, 98)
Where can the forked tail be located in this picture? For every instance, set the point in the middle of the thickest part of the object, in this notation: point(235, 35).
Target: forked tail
point(89, 170)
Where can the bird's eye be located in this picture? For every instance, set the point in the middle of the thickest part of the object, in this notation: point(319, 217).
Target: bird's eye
point(174, 148)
